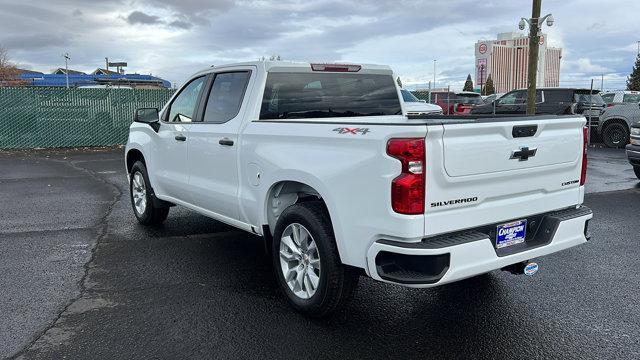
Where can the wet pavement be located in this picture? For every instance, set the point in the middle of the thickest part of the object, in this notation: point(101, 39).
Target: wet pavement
point(81, 279)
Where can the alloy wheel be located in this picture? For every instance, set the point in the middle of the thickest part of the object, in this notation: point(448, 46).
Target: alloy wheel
point(139, 193)
point(299, 261)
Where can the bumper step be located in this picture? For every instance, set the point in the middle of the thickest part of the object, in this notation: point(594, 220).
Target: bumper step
point(429, 269)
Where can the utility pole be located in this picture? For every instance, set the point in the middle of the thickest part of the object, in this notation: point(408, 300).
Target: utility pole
point(434, 73)
point(66, 67)
point(534, 45)
point(590, 114)
point(106, 63)
point(601, 82)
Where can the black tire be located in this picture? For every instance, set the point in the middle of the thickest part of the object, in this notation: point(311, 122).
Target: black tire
point(337, 282)
point(152, 214)
point(636, 169)
point(615, 135)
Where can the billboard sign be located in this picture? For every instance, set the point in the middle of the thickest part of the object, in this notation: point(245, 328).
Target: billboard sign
point(481, 71)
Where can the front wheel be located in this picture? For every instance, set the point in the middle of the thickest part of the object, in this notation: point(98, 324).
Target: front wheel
point(306, 261)
point(615, 135)
point(142, 198)
point(636, 169)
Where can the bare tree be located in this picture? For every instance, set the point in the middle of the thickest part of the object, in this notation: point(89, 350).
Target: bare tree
point(8, 70)
point(4, 58)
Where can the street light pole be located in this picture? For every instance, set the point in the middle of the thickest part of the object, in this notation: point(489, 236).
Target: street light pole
point(534, 47)
point(434, 73)
point(66, 67)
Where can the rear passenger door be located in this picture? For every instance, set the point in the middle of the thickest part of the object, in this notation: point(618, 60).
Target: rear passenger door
point(214, 141)
point(512, 103)
point(556, 102)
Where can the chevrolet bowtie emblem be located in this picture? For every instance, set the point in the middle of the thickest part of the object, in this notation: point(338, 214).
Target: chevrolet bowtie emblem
point(523, 154)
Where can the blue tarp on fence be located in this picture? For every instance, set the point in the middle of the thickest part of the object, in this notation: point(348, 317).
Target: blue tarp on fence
point(87, 79)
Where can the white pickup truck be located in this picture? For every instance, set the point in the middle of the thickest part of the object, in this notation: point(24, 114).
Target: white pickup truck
point(319, 161)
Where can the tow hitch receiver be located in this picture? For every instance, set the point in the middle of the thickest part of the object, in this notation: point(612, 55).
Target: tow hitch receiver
point(525, 267)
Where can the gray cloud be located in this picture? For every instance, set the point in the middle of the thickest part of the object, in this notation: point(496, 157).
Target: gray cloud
point(181, 24)
point(34, 41)
point(406, 34)
point(138, 17)
point(193, 7)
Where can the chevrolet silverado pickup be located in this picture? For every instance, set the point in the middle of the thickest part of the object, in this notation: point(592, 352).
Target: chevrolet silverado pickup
point(319, 160)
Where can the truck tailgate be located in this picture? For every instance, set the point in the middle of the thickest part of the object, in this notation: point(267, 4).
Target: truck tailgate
point(499, 170)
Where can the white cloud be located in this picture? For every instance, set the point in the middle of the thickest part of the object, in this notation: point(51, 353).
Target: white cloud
point(584, 65)
point(178, 37)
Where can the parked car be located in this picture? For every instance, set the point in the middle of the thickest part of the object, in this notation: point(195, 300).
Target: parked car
point(621, 96)
point(549, 101)
point(491, 98)
point(415, 106)
point(633, 149)
point(319, 161)
point(615, 121)
point(456, 103)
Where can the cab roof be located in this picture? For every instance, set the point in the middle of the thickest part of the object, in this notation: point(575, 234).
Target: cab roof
point(297, 66)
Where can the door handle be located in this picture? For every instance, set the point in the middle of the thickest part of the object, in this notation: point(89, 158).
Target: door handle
point(181, 138)
point(226, 142)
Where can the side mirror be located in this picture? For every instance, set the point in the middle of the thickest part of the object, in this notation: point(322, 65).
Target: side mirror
point(146, 115)
point(422, 101)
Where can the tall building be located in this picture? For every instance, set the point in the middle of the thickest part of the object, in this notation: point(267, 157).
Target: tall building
point(507, 60)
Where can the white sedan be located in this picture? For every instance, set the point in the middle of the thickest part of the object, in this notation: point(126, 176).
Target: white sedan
point(415, 106)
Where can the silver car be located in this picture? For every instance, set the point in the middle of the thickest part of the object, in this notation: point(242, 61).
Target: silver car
point(615, 121)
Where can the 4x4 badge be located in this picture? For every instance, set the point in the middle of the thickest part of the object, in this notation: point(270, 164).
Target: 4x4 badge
point(353, 131)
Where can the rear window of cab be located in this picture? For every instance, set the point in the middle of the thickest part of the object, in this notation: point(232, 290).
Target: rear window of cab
point(327, 94)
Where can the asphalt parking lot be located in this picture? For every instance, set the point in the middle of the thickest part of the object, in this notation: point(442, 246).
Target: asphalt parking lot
point(81, 279)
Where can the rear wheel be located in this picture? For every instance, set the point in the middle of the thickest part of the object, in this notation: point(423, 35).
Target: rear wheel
point(615, 135)
point(143, 201)
point(636, 169)
point(306, 261)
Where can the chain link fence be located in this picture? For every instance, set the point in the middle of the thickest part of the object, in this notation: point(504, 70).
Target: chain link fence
point(34, 117)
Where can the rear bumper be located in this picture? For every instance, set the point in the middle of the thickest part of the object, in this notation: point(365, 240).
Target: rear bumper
point(633, 154)
point(452, 257)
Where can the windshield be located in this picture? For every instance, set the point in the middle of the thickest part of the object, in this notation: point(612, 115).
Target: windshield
point(608, 98)
point(584, 98)
point(322, 94)
point(631, 98)
point(470, 99)
point(407, 96)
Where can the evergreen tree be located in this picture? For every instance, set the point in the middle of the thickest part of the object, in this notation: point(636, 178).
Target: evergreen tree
point(468, 85)
point(633, 81)
point(489, 88)
point(399, 82)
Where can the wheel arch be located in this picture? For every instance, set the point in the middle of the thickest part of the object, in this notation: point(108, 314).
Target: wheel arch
point(614, 119)
point(286, 192)
point(131, 157)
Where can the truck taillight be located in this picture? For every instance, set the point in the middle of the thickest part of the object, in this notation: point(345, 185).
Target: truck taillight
point(408, 189)
point(585, 145)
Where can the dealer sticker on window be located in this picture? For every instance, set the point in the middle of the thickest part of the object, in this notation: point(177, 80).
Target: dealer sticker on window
point(511, 233)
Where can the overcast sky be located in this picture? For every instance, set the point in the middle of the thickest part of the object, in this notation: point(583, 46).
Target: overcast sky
point(173, 39)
